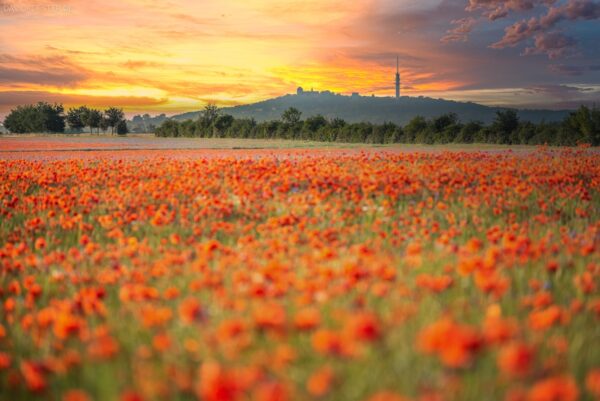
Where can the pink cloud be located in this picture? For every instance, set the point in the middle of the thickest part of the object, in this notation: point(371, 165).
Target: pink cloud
point(461, 32)
point(573, 10)
point(518, 32)
point(496, 9)
point(551, 43)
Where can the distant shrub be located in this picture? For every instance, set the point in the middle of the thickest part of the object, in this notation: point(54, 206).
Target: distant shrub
point(122, 128)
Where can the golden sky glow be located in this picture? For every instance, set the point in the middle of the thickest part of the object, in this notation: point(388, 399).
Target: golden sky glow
point(173, 56)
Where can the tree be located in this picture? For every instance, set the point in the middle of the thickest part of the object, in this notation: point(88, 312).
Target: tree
point(544, 133)
point(242, 128)
point(391, 132)
point(104, 124)
point(291, 116)
point(42, 117)
point(312, 125)
point(525, 132)
point(268, 129)
point(122, 128)
point(169, 128)
point(444, 121)
point(505, 124)
point(334, 129)
point(74, 118)
point(24, 119)
point(445, 128)
point(94, 118)
point(468, 132)
point(53, 115)
point(221, 124)
point(187, 128)
point(584, 125)
point(113, 116)
point(85, 115)
point(337, 123)
point(208, 116)
point(414, 128)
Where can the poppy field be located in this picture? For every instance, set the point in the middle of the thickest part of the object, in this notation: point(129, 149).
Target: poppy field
point(275, 275)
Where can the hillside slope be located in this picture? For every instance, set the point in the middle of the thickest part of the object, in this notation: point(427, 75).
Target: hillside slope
point(371, 109)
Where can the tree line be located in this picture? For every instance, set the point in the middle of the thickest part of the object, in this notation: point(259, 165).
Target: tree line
point(581, 126)
point(51, 118)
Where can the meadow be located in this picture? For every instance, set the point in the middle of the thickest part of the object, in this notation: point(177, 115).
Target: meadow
point(367, 274)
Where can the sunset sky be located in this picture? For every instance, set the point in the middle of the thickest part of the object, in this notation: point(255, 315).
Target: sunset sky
point(174, 56)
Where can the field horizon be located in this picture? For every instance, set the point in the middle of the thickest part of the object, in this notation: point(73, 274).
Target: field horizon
point(148, 141)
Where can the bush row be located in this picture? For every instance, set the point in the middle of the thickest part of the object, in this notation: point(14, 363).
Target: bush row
point(581, 126)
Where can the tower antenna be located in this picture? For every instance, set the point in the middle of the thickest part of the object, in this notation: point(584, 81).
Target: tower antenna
point(397, 78)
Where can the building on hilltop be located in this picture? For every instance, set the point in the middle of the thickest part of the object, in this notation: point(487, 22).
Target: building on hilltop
point(301, 92)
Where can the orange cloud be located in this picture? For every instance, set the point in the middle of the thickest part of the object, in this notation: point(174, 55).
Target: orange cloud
point(132, 103)
point(176, 56)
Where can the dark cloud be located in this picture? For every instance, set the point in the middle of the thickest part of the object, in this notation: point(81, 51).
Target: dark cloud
point(10, 99)
point(559, 90)
point(573, 70)
point(51, 78)
point(566, 96)
point(40, 70)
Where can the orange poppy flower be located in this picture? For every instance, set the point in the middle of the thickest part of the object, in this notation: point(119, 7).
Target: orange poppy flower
point(546, 318)
point(217, 384)
point(320, 382)
point(364, 326)
point(271, 391)
point(270, 316)
point(556, 388)
point(386, 396)
point(515, 359)
point(455, 344)
point(190, 310)
point(592, 382)
point(76, 395)
point(307, 319)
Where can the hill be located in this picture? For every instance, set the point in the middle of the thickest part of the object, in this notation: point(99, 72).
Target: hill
point(369, 109)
